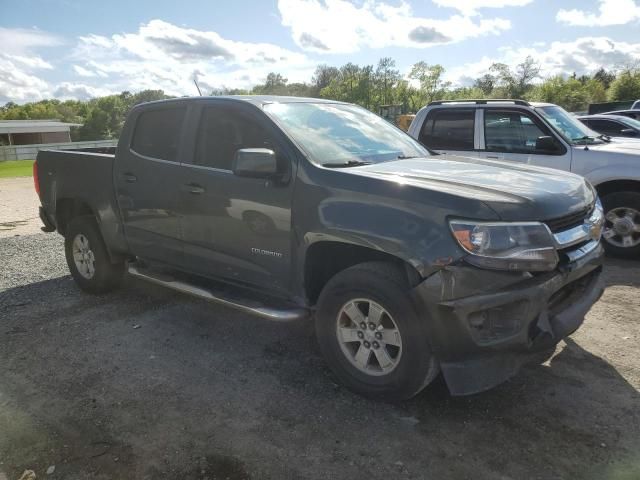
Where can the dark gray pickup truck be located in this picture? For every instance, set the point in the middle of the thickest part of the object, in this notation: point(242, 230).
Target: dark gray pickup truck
point(289, 208)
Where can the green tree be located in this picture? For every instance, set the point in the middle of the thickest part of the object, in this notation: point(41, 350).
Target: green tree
point(432, 86)
point(386, 78)
point(626, 86)
point(518, 82)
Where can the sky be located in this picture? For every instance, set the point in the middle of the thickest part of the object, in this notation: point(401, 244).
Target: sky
point(85, 48)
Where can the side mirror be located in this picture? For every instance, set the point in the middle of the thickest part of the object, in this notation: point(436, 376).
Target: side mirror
point(255, 163)
point(546, 144)
point(628, 132)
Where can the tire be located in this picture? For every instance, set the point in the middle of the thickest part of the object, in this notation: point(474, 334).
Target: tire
point(622, 213)
point(384, 286)
point(88, 259)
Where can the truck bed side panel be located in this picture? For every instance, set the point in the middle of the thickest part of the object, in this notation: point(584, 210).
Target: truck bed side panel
point(85, 177)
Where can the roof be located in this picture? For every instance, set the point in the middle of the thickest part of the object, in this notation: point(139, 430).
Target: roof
point(601, 116)
point(35, 126)
point(258, 100)
point(543, 104)
point(616, 112)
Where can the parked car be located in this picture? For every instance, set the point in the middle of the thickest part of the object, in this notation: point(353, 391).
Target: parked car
point(546, 135)
point(634, 113)
point(410, 263)
point(615, 126)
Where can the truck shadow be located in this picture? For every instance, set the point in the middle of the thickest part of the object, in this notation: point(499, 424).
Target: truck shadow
point(619, 271)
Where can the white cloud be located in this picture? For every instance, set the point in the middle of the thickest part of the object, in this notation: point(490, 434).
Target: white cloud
point(20, 67)
point(470, 7)
point(583, 55)
point(164, 56)
point(17, 84)
point(610, 12)
point(84, 72)
point(340, 26)
point(23, 40)
point(79, 91)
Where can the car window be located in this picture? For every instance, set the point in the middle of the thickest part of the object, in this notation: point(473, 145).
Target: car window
point(224, 130)
point(157, 133)
point(340, 134)
point(607, 127)
point(511, 131)
point(449, 129)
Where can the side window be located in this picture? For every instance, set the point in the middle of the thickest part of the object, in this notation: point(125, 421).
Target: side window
point(607, 127)
point(511, 132)
point(449, 129)
point(157, 133)
point(224, 130)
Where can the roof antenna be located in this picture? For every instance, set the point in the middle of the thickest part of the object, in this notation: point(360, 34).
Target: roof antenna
point(196, 82)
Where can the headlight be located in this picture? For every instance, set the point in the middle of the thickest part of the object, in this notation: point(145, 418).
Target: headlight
point(596, 220)
point(506, 246)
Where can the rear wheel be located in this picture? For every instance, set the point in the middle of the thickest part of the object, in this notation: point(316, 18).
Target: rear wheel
point(371, 335)
point(621, 233)
point(88, 259)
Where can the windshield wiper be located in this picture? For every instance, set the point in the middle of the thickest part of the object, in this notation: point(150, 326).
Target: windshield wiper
point(348, 163)
point(582, 139)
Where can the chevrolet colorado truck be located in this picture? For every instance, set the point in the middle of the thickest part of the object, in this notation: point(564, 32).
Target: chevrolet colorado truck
point(290, 208)
point(546, 135)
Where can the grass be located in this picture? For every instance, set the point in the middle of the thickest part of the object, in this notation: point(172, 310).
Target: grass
point(16, 168)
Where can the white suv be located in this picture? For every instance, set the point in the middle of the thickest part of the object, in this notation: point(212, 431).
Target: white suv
point(546, 135)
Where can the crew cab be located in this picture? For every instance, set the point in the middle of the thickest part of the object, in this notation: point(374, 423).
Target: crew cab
point(546, 135)
point(290, 208)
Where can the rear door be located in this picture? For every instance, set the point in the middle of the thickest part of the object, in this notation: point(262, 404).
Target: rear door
point(145, 177)
point(236, 227)
point(512, 135)
point(449, 130)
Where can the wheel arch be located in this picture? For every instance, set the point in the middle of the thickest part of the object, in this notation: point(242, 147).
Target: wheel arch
point(69, 208)
point(621, 185)
point(324, 259)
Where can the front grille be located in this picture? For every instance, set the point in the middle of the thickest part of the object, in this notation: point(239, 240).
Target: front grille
point(568, 221)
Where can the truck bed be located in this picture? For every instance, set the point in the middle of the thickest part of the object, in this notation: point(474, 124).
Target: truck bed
point(72, 180)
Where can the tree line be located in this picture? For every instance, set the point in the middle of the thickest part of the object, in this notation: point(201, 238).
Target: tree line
point(370, 86)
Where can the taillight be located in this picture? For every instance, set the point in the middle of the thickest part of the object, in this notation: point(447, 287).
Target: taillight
point(36, 180)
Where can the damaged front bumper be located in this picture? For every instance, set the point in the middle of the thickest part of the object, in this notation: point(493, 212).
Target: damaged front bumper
point(481, 339)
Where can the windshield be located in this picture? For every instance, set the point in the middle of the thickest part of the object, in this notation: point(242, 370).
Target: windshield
point(631, 122)
point(572, 129)
point(343, 135)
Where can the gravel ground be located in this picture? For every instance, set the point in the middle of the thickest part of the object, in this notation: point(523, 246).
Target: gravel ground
point(144, 383)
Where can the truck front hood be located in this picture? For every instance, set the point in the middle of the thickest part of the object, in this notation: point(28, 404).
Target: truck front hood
point(626, 147)
point(513, 191)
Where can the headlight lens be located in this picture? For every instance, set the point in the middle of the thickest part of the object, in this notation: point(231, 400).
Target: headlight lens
point(507, 246)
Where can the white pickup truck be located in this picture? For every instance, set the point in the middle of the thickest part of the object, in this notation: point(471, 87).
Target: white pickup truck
point(546, 135)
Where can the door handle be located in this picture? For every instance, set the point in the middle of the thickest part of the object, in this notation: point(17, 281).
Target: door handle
point(129, 177)
point(193, 188)
point(493, 157)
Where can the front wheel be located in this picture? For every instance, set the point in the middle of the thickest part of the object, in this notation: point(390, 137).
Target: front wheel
point(621, 233)
point(88, 259)
point(370, 334)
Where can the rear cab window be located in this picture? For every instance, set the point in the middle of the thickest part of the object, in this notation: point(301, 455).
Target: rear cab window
point(449, 129)
point(157, 133)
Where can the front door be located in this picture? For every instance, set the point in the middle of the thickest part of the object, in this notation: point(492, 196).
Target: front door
point(236, 227)
point(145, 176)
point(512, 135)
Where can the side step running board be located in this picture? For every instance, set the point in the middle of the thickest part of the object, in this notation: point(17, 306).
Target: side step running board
point(253, 307)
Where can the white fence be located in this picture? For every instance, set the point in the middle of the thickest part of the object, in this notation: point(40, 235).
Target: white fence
point(28, 152)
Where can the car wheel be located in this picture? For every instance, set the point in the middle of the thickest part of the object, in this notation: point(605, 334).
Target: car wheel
point(621, 233)
point(371, 335)
point(88, 259)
